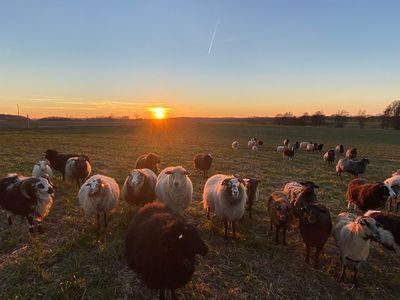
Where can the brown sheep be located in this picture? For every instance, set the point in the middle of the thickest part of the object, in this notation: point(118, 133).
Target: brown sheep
point(148, 161)
point(280, 213)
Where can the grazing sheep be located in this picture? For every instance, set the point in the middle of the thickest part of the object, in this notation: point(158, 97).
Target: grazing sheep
point(99, 195)
point(203, 162)
point(352, 235)
point(315, 228)
point(161, 248)
point(280, 148)
point(329, 157)
point(394, 183)
point(251, 143)
point(225, 196)
point(42, 169)
point(319, 147)
point(390, 230)
point(339, 148)
point(347, 165)
point(280, 213)
point(293, 189)
point(366, 195)
point(78, 169)
point(148, 161)
point(303, 145)
point(251, 185)
point(235, 145)
point(58, 160)
point(289, 153)
point(139, 187)
point(29, 197)
point(286, 142)
point(351, 153)
point(310, 147)
point(174, 188)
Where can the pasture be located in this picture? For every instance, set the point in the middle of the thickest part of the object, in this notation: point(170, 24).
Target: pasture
point(74, 260)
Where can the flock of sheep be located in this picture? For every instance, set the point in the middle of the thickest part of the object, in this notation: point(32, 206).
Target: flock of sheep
point(161, 246)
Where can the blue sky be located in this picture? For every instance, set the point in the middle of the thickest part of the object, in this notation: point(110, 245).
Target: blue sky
point(85, 58)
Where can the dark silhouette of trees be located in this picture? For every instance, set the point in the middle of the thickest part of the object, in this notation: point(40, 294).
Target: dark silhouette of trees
point(391, 115)
point(361, 118)
point(318, 118)
point(340, 118)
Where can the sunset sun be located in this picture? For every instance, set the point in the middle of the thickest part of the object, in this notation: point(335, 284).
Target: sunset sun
point(158, 112)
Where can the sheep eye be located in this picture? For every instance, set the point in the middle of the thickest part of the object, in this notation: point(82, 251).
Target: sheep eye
point(40, 186)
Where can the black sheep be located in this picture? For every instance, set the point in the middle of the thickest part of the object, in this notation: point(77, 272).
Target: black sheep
point(148, 161)
point(319, 147)
point(161, 248)
point(203, 162)
point(58, 160)
point(251, 185)
point(315, 228)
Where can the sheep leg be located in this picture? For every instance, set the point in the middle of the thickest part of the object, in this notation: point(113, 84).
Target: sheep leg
point(208, 213)
point(317, 253)
point(226, 229)
point(105, 220)
point(284, 236)
point(162, 294)
point(355, 277)
point(9, 220)
point(31, 226)
point(173, 294)
point(276, 234)
point(307, 254)
point(234, 229)
point(98, 221)
point(348, 204)
point(341, 278)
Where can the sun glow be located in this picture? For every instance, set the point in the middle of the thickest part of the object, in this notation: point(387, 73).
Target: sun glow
point(159, 112)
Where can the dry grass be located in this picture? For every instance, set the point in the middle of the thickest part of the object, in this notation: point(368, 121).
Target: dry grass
point(73, 260)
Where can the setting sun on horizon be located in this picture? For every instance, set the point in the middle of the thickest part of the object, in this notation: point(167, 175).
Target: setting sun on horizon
point(158, 113)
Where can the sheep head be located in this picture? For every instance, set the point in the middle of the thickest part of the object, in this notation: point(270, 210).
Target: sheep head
point(39, 186)
point(177, 177)
point(136, 179)
point(283, 212)
point(312, 211)
point(81, 162)
point(233, 188)
point(153, 159)
point(95, 186)
point(42, 164)
point(51, 155)
point(370, 227)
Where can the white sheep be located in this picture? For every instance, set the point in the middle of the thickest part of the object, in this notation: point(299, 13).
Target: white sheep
point(280, 148)
point(310, 147)
point(99, 194)
point(226, 197)
point(42, 169)
point(352, 235)
point(174, 188)
point(303, 145)
point(235, 145)
point(251, 143)
point(139, 187)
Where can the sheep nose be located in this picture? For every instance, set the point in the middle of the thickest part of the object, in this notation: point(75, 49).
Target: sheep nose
point(50, 190)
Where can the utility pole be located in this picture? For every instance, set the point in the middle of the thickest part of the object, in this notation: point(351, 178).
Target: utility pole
point(18, 109)
point(27, 120)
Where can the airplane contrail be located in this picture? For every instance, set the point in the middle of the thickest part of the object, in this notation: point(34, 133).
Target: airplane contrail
point(212, 39)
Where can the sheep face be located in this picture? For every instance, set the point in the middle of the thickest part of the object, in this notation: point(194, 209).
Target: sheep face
point(177, 177)
point(233, 189)
point(183, 242)
point(136, 179)
point(95, 186)
point(282, 211)
point(370, 227)
point(251, 184)
point(44, 187)
point(385, 190)
point(42, 165)
point(81, 162)
point(311, 213)
point(153, 159)
point(41, 187)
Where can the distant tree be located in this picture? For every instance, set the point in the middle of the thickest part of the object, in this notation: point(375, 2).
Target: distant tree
point(361, 118)
point(318, 118)
point(136, 115)
point(340, 118)
point(392, 113)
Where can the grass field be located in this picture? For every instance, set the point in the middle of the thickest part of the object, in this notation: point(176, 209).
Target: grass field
point(73, 260)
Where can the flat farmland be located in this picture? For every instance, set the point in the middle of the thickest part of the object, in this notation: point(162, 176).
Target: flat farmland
point(75, 260)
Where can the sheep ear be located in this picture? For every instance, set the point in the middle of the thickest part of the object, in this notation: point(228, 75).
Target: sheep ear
point(168, 172)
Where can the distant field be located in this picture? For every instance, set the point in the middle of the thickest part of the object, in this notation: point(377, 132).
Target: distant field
point(73, 260)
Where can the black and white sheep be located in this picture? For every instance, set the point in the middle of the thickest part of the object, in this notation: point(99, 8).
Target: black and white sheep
point(353, 235)
point(329, 157)
point(161, 248)
point(351, 153)
point(252, 191)
point(347, 165)
point(252, 143)
point(315, 228)
point(99, 195)
point(286, 142)
point(78, 169)
point(280, 214)
point(148, 161)
point(319, 147)
point(203, 162)
point(139, 187)
point(339, 148)
point(289, 153)
point(367, 195)
point(175, 188)
point(29, 197)
point(58, 160)
point(390, 230)
point(226, 197)
point(42, 169)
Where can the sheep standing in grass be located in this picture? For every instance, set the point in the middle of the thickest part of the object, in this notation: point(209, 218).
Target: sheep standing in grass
point(139, 187)
point(42, 169)
point(203, 162)
point(303, 145)
point(347, 165)
point(286, 142)
point(390, 230)
point(294, 188)
point(310, 147)
point(289, 153)
point(280, 213)
point(58, 160)
point(225, 196)
point(148, 161)
point(99, 195)
point(251, 185)
point(351, 153)
point(315, 228)
point(29, 197)
point(252, 143)
point(366, 195)
point(353, 235)
point(329, 157)
point(339, 148)
point(78, 169)
point(394, 183)
point(174, 188)
point(235, 145)
point(161, 248)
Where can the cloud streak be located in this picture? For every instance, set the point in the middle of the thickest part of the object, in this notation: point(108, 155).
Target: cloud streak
point(213, 37)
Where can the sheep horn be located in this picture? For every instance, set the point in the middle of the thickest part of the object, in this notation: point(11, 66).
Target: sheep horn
point(24, 185)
